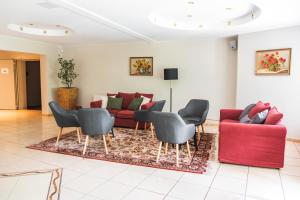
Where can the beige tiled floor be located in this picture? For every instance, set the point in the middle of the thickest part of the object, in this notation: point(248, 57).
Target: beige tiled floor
point(98, 180)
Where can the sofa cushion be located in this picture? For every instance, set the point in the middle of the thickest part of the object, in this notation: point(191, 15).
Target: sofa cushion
point(113, 111)
point(259, 118)
point(246, 111)
point(125, 114)
point(96, 104)
point(147, 105)
point(135, 104)
point(150, 96)
point(259, 107)
point(114, 103)
point(274, 117)
point(127, 98)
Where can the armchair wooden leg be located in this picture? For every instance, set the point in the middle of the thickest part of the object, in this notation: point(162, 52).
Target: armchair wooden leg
point(166, 148)
point(85, 144)
point(202, 128)
point(198, 132)
point(136, 128)
point(152, 131)
point(59, 134)
point(145, 126)
point(78, 135)
point(177, 155)
point(109, 139)
point(188, 148)
point(106, 152)
point(158, 154)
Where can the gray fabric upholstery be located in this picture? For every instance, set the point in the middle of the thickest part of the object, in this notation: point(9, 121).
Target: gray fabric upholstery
point(64, 118)
point(259, 118)
point(171, 128)
point(195, 112)
point(95, 121)
point(144, 115)
point(246, 111)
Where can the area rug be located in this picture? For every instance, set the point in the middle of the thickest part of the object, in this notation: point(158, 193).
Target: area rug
point(33, 185)
point(139, 149)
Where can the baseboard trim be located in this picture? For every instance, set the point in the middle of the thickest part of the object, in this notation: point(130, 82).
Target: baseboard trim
point(293, 140)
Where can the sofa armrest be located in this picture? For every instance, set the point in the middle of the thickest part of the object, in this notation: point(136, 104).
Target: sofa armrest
point(96, 104)
point(254, 129)
point(230, 114)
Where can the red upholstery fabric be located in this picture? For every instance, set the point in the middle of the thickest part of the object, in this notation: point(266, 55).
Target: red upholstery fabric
point(127, 98)
point(230, 114)
point(250, 144)
point(144, 94)
point(259, 107)
point(125, 114)
point(274, 117)
point(146, 106)
point(96, 104)
point(113, 112)
point(230, 121)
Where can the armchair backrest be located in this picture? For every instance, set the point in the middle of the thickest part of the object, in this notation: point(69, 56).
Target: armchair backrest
point(59, 114)
point(196, 107)
point(95, 121)
point(169, 127)
point(158, 106)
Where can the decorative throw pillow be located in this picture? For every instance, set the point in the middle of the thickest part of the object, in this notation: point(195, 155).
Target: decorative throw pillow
point(147, 105)
point(259, 107)
point(259, 118)
point(273, 117)
point(145, 100)
point(103, 98)
point(246, 111)
point(114, 103)
point(135, 104)
point(96, 104)
point(245, 119)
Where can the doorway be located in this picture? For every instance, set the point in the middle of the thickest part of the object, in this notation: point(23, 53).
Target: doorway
point(33, 85)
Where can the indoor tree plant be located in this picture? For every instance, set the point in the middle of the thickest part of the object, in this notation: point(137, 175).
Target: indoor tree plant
point(67, 95)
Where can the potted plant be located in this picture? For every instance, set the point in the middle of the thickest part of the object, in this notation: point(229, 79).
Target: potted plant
point(67, 95)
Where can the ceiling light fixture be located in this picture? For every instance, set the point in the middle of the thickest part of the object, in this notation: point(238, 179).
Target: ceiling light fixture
point(214, 14)
point(38, 29)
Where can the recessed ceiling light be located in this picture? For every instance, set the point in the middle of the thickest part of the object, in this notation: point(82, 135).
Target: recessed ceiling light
point(228, 9)
point(200, 26)
point(48, 5)
point(191, 2)
point(189, 16)
point(38, 29)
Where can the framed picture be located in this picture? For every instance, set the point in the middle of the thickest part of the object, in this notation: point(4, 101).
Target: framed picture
point(273, 62)
point(141, 66)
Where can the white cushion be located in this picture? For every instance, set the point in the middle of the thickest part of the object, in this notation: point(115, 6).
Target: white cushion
point(145, 100)
point(103, 98)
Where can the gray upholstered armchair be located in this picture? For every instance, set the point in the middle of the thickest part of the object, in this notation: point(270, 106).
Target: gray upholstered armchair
point(195, 112)
point(64, 118)
point(94, 122)
point(170, 128)
point(144, 115)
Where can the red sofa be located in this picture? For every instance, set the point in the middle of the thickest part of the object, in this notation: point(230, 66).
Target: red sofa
point(258, 145)
point(124, 117)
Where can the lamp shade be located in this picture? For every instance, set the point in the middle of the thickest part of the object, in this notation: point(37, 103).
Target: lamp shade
point(170, 74)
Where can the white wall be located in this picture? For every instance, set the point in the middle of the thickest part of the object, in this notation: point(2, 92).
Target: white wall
point(207, 69)
point(7, 85)
point(49, 54)
point(281, 91)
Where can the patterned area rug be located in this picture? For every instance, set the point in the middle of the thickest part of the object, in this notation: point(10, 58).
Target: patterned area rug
point(139, 149)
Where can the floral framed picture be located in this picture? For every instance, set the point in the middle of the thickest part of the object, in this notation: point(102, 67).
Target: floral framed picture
point(141, 66)
point(273, 62)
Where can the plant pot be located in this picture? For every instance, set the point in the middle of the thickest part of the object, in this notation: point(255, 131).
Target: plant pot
point(67, 97)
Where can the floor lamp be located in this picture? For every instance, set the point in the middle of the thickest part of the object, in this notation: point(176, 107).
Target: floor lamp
point(170, 74)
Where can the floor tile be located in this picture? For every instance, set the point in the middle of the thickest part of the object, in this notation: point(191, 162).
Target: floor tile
point(129, 178)
point(215, 194)
point(139, 194)
point(111, 191)
point(234, 171)
point(84, 183)
point(291, 185)
point(230, 184)
point(68, 194)
point(187, 191)
point(157, 184)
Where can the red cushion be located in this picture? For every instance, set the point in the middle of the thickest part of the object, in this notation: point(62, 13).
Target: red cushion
point(230, 121)
point(96, 104)
point(259, 107)
point(111, 94)
point(150, 96)
point(146, 106)
point(113, 112)
point(127, 98)
point(125, 114)
point(273, 117)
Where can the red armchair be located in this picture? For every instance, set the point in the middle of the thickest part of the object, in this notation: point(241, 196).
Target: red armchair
point(250, 144)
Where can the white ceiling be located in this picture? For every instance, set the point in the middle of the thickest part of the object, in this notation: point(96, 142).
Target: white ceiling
point(101, 21)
